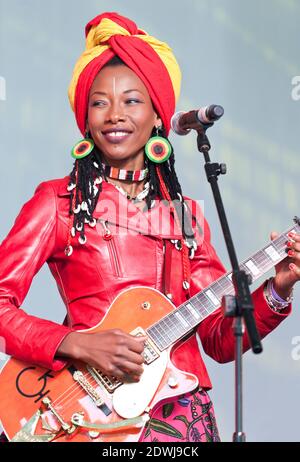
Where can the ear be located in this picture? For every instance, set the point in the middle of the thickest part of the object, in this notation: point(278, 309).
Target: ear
point(158, 121)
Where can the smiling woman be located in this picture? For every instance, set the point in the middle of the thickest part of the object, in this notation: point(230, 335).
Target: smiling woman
point(121, 117)
point(121, 241)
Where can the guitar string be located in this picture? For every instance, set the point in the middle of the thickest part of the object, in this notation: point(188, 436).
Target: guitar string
point(207, 304)
point(78, 390)
point(76, 386)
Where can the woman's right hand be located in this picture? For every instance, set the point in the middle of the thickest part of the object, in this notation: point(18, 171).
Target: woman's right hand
point(114, 352)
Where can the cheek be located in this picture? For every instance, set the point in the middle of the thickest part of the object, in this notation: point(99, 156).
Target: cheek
point(91, 118)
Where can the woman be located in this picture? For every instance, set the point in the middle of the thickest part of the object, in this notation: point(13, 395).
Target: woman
point(92, 228)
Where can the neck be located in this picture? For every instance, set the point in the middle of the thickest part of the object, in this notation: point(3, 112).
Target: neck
point(137, 163)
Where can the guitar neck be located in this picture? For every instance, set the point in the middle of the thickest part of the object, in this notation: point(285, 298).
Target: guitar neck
point(187, 316)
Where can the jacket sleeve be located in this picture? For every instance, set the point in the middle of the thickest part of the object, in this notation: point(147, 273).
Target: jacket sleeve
point(27, 247)
point(215, 331)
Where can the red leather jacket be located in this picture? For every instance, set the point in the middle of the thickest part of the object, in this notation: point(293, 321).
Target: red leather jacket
point(91, 278)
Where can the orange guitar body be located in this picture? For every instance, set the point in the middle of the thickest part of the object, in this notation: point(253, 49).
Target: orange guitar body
point(102, 414)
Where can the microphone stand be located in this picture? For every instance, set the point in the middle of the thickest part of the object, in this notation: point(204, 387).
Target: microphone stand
point(238, 306)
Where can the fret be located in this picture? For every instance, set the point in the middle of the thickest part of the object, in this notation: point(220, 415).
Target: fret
point(222, 286)
point(181, 319)
point(191, 313)
point(260, 261)
point(210, 294)
point(192, 310)
point(206, 304)
point(280, 247)
point(175, 325)
point(252, 267)
point(165, 331)
point(243, 267)
point(155, 336)
point(199, 302)
point(272, 253)
point(188, 315)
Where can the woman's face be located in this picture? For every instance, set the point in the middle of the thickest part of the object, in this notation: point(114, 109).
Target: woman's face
point(121, 116)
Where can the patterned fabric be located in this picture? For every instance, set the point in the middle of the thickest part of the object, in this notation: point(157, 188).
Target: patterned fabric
point(3, 438)
point(122, 174)
point(153, 61)
point(187, 418)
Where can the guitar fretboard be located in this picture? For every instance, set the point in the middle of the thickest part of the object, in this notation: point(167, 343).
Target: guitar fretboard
point(187, 316)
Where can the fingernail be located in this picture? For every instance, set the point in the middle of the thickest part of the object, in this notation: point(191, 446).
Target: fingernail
point(291, 234)
point(291, 253)
point(289, 244)
point(292, 266)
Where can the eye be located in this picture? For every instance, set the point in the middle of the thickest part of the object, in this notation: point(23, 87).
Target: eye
point(99, 103)
point(133, 101)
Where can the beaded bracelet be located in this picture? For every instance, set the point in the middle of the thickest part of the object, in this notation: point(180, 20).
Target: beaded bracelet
point(275, 302)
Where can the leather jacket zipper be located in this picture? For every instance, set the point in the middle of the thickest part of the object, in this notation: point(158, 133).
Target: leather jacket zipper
point(113, 252)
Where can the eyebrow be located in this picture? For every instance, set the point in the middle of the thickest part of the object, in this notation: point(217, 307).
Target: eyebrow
point(124, 92)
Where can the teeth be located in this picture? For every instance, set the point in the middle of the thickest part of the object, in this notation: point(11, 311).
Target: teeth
point(116, 134)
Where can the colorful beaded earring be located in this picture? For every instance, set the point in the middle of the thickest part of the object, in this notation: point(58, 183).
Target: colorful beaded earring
point(83, 148)
point(158, 149)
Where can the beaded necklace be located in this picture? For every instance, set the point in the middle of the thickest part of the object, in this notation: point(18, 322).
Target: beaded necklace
point(139, 197)
point(122, 174)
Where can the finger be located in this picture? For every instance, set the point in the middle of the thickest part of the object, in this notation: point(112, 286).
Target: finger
point(136, 344)
point(295, 269)
point(131, 356)
point(131, 368)
point(294, 236)
point(273, 235)
point(293, 245)
point(293, 249)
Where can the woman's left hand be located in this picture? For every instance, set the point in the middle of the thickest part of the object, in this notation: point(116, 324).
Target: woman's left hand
point(288, 270)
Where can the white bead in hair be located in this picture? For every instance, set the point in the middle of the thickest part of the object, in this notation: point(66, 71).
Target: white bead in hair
point(69, 250)
point(71, 186)
point(82, 240)
point(84, 206)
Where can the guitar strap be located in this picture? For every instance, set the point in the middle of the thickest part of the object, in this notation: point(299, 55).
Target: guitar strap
point(172, 268)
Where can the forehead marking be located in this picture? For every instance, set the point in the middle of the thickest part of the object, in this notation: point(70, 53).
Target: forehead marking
point(114, 86)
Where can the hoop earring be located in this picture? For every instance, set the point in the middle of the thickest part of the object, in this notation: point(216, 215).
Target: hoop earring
point(83, 148)
point(158, 149)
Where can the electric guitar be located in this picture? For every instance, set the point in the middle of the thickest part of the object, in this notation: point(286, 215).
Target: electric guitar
point(80, 403)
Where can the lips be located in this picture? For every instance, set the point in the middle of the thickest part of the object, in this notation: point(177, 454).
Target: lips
point(116, 136)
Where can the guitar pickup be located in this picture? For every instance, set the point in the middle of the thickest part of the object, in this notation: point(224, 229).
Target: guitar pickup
point(150, 352)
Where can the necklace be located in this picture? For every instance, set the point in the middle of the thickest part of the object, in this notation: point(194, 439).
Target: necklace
point(122, 174)
point(139, 197)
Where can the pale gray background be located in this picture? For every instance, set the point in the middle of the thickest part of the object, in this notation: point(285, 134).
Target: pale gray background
point(242, 55)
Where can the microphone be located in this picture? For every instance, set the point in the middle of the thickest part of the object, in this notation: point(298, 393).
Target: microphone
point(183, 122)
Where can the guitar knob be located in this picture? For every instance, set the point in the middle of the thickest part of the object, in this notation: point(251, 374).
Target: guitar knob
point(172, 381)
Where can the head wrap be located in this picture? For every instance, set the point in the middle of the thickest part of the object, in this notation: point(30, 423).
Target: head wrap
point(111, 34)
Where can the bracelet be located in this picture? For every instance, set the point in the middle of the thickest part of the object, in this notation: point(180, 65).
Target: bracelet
point(275, 302)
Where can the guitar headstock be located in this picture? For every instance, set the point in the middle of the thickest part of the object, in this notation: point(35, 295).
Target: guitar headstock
point(297, 222)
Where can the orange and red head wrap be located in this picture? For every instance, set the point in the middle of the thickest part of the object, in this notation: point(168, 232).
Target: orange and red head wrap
point(111, 34)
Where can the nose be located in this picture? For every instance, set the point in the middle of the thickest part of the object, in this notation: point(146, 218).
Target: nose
point(115, 113)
